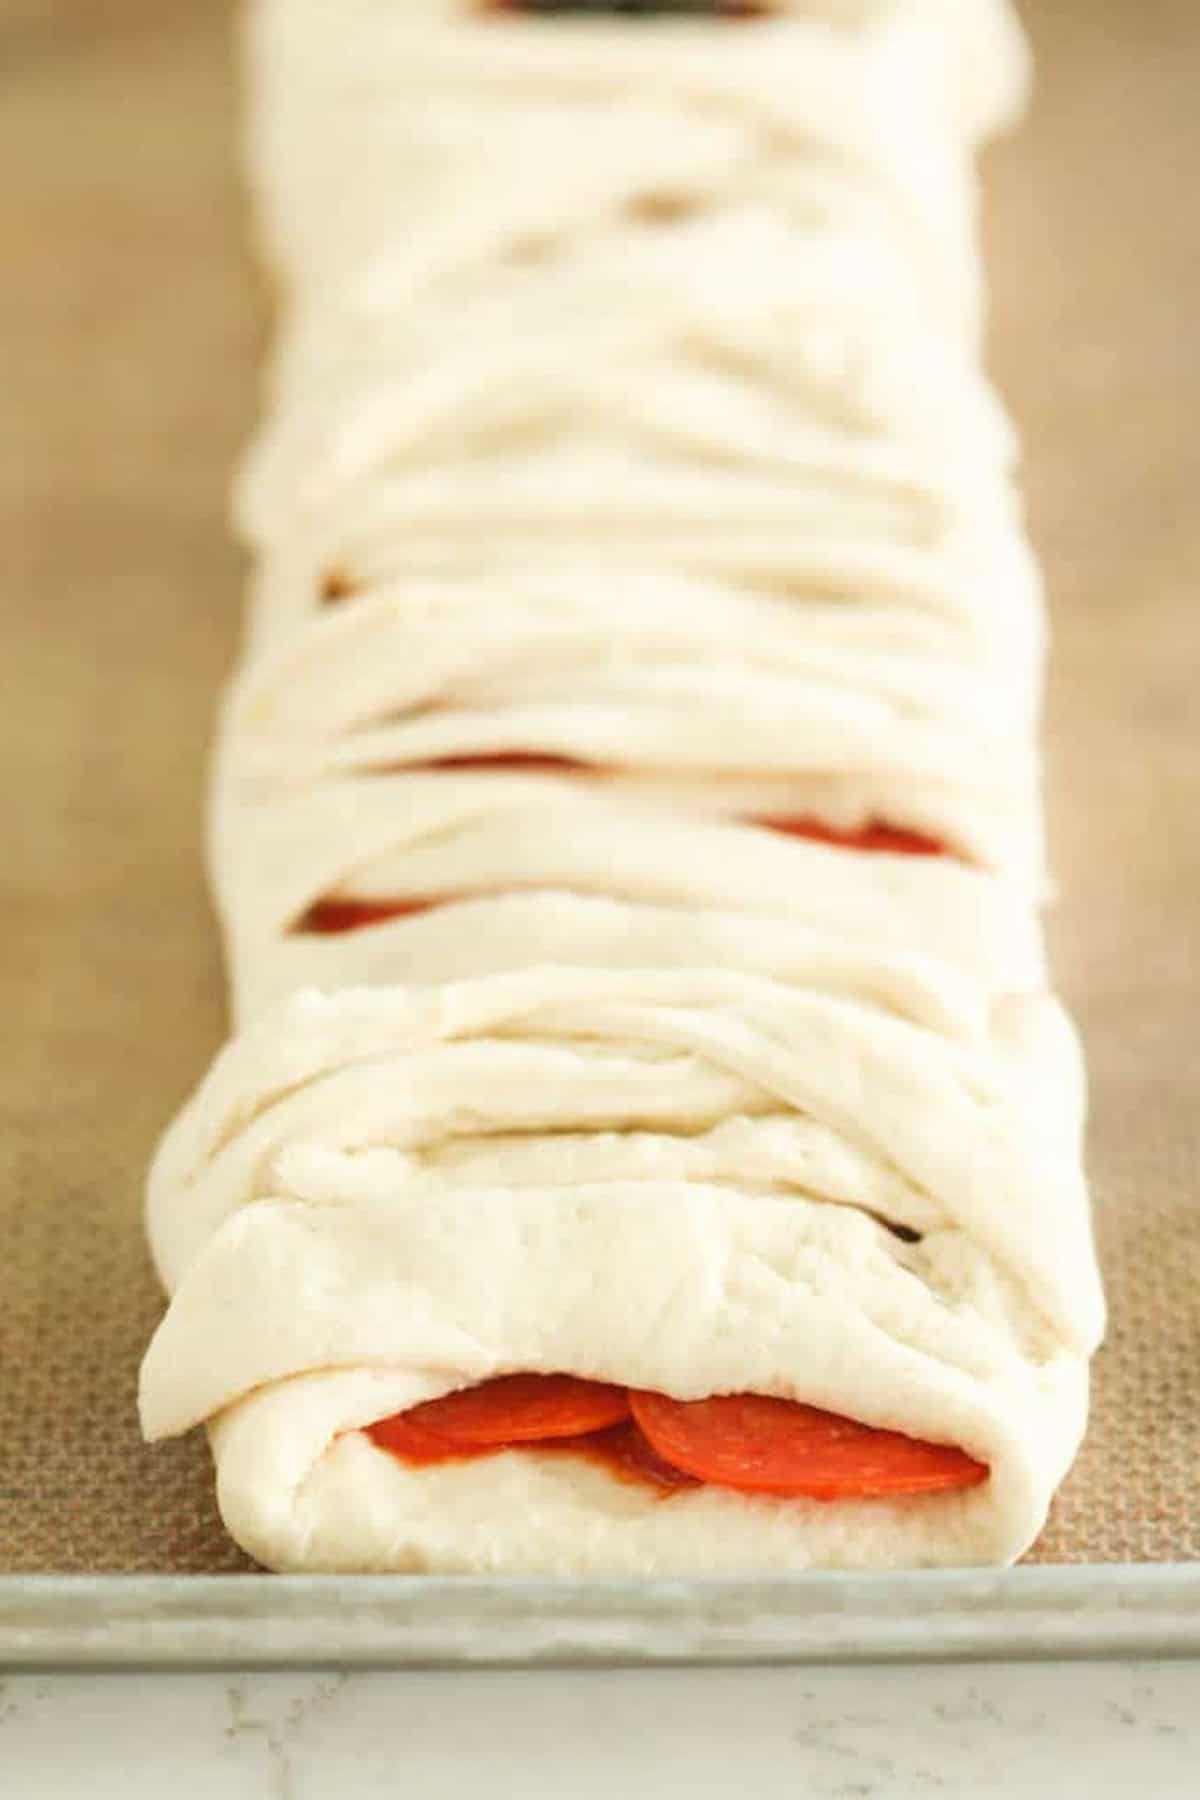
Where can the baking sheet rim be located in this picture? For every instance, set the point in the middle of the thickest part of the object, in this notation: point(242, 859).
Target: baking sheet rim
point(1078, 1612)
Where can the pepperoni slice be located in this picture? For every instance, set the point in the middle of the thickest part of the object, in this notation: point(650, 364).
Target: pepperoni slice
point(765, 1446)
point(530, 762)
point(874, 836)
point(326, 917)
point(414, 1444)
point(626, 1452)
point(622, 1450)
point(521, 1409)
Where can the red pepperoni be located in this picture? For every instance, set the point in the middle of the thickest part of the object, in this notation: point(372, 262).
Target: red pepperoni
point(745, 1441)
point(521, 1409)
point(414, 1444)
point(530, 762)
point(326, 917)
point(875, 836)
point(765, 1446)
point(622, 1450)
point(627, 1454)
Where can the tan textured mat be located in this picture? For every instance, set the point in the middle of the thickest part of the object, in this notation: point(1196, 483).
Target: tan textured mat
point(128, 347)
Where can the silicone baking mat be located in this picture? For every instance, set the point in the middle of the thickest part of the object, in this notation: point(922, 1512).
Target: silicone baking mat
point(131, 327)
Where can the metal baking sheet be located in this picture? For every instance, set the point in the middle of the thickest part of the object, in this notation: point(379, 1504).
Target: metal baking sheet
point(248, 1621)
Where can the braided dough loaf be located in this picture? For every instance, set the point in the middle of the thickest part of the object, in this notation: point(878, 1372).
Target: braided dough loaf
point(630, 507)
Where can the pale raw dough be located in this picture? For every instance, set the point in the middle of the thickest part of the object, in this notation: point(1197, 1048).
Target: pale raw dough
point(681, 1179)
point(655, 1095)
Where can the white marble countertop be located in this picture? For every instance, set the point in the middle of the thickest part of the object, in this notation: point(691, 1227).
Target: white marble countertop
point(1129, 1731)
